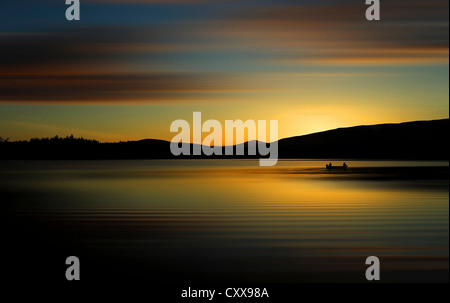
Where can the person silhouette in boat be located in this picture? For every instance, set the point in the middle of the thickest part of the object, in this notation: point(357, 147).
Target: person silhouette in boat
point(345, 166)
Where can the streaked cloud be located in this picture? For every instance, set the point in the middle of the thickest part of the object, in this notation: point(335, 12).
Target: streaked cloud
point(223, 53)
point(411, 32)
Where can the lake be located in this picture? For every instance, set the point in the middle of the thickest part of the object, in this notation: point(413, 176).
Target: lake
point(222, 221)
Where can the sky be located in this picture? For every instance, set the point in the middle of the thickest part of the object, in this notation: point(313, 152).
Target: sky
point(128, 69)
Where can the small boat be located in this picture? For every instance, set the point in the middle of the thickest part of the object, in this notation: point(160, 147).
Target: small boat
point(331, 166)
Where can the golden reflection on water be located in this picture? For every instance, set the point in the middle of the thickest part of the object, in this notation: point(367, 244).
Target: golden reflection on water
point(288, 224)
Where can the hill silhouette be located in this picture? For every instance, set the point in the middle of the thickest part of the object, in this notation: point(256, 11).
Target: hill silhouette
point(424, 140)
point(410, 140)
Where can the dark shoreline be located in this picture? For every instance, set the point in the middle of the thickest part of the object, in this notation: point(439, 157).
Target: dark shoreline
point(419, 140)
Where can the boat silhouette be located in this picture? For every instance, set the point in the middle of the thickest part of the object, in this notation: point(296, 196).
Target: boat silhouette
point(330, 166)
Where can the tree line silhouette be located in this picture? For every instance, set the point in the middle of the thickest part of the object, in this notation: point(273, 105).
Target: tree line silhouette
point(425, 140)
point(55, 139)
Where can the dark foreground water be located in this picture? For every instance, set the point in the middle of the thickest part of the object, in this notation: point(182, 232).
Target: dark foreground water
point(224, 221)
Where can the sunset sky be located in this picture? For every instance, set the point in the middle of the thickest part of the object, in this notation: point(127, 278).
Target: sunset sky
point(127, 69)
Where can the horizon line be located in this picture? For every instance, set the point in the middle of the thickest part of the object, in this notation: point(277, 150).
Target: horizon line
point(156, 139)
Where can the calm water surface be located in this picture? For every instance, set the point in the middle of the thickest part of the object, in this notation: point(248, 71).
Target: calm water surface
point(223, 220)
